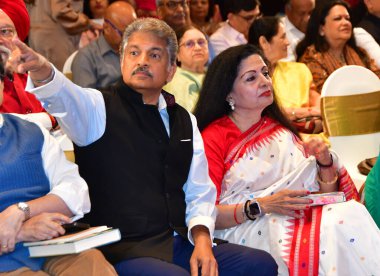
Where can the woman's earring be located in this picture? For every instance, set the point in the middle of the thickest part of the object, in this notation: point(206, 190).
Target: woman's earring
point(232, 104)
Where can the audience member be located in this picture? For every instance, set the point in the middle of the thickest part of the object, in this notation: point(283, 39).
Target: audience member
point(146, 8)
point(296, 20)
point(329, 43)
point(371, 21)
point(39, 191)
point(175, 13)
point(98, 64)
point(96, 9)
point(191, 58)
point(56, 27)
point(292, 81)
point(372, 192)
point(14, 21)
point(205, 15)
point(297, 14)
point(234, 31)
point(262, 171)
point(149, 153)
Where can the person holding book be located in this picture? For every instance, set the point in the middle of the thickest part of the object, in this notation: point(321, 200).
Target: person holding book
point(143, 157)
point(39, 191)
point(265, 173)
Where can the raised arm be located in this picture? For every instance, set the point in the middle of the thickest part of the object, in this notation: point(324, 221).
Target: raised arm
point(80, 111)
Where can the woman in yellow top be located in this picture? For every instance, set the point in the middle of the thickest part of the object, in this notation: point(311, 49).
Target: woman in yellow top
point(292, 81)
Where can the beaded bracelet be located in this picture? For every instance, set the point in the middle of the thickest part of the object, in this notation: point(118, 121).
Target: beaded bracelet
point(235, 216)
point(328, 165)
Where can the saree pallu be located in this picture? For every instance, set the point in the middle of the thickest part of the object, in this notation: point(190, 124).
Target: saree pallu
point(335, 239)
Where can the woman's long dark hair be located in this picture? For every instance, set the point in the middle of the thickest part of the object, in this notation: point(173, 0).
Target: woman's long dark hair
point(312, 36)
point(266, 26)
point(218, 82)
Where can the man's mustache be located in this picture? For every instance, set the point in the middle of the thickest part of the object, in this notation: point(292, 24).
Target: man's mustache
point(143, 69)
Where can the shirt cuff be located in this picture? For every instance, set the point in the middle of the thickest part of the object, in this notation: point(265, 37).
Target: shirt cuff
point(46, 90)
point(208, 222)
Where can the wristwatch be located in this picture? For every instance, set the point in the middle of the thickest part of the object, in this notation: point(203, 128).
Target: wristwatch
point(23, 206)
point(254, 209)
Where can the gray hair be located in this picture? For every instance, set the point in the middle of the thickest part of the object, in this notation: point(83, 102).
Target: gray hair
point(156, 27)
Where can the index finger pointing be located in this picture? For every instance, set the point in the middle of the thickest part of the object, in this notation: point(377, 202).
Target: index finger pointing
point(21, 45)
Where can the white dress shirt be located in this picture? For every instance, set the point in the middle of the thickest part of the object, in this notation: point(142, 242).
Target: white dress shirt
point(226, 37)
point(65, 181)
point(81, 113)
point(362, 37)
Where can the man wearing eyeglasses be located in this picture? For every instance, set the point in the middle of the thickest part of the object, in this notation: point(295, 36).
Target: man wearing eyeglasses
point(239, 15)
point(97, 65)
point(175, 13)
point(143, 158)
point(14, 21)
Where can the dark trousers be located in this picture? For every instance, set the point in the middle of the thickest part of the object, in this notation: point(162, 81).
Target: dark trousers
point(232, 260)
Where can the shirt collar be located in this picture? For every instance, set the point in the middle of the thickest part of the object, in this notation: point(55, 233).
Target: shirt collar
point(234, 33)
point(289, 25)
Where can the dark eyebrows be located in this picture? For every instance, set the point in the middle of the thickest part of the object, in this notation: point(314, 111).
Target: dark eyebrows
point(249, 71)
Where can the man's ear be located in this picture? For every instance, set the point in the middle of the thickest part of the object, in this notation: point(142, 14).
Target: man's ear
point(172, 69)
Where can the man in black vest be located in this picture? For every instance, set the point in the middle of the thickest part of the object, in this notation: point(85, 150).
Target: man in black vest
point(143, 158)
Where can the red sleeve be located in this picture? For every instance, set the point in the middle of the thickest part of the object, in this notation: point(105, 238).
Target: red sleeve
point(214, 148)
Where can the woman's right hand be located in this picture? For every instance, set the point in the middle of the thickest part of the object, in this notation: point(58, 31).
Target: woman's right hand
point(285, 202)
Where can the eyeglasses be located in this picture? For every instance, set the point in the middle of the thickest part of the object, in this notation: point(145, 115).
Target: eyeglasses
point(173, 5)
point(7, 32)
point(191, 43)
point(249, 18)
point(114, 27)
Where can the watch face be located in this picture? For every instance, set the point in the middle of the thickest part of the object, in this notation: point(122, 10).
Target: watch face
point(254, 209)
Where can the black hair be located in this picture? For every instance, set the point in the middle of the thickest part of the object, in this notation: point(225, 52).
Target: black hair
point(87, 10)
point(211, 9)
point(235, 6)
point(266, 26)
point(217, 85)
point(312, 35)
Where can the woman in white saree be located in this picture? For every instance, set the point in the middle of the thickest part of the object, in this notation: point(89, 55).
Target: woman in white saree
point(262, 169)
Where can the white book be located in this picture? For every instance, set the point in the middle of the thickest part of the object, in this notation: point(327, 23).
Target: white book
point(74, 243)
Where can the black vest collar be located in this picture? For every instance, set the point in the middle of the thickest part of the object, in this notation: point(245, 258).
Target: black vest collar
point(130, 94)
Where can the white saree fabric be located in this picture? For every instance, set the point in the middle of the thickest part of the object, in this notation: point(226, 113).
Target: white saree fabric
point(349, 238)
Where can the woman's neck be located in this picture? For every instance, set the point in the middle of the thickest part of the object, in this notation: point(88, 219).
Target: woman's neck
point(196, 68)
point(337, 52)
point(244, 119)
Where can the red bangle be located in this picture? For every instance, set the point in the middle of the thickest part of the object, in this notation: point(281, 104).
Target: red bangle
point(235, 217)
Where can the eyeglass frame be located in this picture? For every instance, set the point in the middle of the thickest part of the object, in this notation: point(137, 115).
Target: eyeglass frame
point(249, 18)
point(8, 28)
point(182, 3)
point(194, 42)
point(114, 27)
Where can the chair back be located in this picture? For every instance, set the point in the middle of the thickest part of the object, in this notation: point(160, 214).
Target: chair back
point(350, 107)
